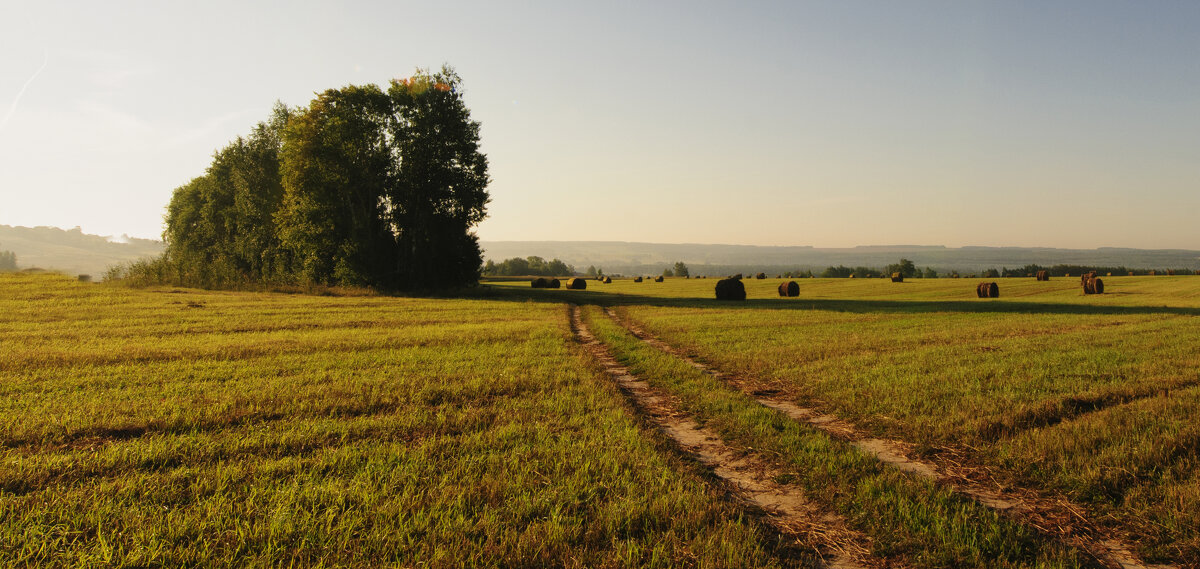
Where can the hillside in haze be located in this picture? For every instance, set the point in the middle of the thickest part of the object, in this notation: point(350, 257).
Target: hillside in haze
point(652, 258)
point(74, 252)
point(71, 250)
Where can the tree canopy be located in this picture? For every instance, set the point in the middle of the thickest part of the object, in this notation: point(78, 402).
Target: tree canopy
point(364, 186)
point(8, 261)
point(531, 266)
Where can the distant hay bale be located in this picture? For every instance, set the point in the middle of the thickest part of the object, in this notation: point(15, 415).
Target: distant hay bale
point(987, 290)
point(1197, 272)
point(1108, 275)
point(897, 278)
point(1043, 275)
point(576, 284)
point(607, 280)
point(539, 282)
point(1085, 277)
point(637, 279)
point(851, 275)
point(658, 279)
point(85, 278)
point(553, 283)
point(789, 288)
point(1152, 272)
point(1131, 273)
point(1170, 272)
point(779, 276)
point(1093, 286)
point(760, 276)
point(730, 289)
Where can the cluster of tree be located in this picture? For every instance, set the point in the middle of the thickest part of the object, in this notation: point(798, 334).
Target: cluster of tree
point(592, 271)
point(905, 267)
point(1065, 269)
point(534, 266)
point(8, 261)
point(364, 187)
point(680, 270)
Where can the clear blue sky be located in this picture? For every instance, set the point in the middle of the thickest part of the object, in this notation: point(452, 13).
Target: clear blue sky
point(841, 123)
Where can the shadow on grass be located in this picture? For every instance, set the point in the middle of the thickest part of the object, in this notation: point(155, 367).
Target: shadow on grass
point(516, 294)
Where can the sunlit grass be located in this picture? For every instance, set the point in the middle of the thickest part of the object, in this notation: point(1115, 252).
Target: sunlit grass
point(1091, 396)
point(193, 428)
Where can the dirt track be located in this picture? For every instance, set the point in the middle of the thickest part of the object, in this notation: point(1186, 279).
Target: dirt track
point(752, 481)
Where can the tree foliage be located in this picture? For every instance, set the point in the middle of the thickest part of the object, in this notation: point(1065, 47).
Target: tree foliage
point(681, 270)
point(8, 261)
point(534, 266)
point(364, 186)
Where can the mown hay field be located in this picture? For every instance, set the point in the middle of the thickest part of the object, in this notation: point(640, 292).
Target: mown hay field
point(1095, 398)
point(167, 427)
point(161, 427)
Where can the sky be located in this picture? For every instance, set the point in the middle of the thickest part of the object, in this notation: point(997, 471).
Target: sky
point(832, 124)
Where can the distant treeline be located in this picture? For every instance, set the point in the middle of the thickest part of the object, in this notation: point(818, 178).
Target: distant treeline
point(364, 187)
point(905, 267)
point(534, 266)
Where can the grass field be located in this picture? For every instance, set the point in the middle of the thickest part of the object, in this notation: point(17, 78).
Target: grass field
point(1096, 397)
point(167, 427)
point(145, 428)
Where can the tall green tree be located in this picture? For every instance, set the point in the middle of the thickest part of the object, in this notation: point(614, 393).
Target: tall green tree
point(681, 270)
point(439, 193)
point(337, 167)
point(220, 226)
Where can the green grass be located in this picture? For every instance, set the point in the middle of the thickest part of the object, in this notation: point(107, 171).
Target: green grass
point(148, 428)
point(908, 519)
point(1092, 396)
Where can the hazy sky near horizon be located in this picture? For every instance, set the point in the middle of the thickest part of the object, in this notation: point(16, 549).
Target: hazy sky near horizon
point(840, 123)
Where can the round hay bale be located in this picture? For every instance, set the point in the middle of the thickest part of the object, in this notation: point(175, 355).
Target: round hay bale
point(85, 278)
point(637, 279)
point(987, 290)
point(1097, 286)
point(730, 289)
point(1043, 275)
point(553, 283)
point(1108, 275)
point(851, 275)
point(576, 284)
point(789, 288)
point(658, 279)
point(779, 276)
point(1153, 272)
point(897, 278)
point(1170, 272)
point(760, 276)
point(539, 282)
point(607, 280)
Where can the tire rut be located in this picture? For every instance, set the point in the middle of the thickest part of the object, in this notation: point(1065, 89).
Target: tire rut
point(753, 481)
point(1054, 516)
